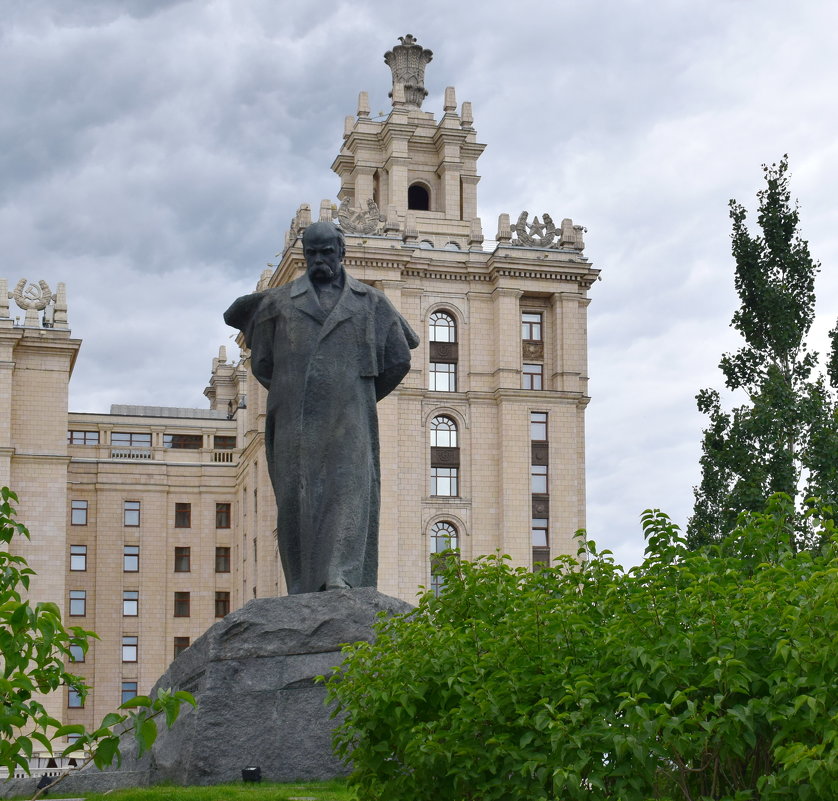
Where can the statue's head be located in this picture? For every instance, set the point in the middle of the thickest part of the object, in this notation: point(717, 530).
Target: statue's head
point(323, 249)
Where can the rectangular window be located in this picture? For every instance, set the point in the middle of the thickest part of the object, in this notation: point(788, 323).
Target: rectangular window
point(532, 376)
point(74, 698)
point(531, 326)
point(131, 513)
point(222, 515)
point(78, 603)
point(131, 558)
point(540, 544)
point(82, 437)
point(130, 603)
point(181, 644)
point(134, 439)
point(443, 377)
point(129, 691)
point(183, 515)
point(78, 513)
point(190, 442)
point(444, 481)
point(222, 559)
point(181, 604)
point(76, 653)
point(78, 557)
point(183, 559)
point(129, 649)
point(222, 604)
point(224, 442)
point(539, 479)
point(538, 426)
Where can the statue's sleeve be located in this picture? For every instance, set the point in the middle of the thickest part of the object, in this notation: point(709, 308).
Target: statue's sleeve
point(395, 341)
point(258, 334)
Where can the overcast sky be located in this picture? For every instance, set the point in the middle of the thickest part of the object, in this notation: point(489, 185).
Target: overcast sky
point(152, 154)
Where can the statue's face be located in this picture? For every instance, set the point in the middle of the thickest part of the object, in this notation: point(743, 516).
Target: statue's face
point(323, 253)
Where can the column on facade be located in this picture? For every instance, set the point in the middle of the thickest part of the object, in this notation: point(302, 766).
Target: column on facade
point(507, 330)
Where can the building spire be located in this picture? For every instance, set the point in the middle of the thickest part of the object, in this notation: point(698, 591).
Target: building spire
point(407, 61)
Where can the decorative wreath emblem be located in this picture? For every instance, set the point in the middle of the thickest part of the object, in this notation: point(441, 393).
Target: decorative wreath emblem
point(536, 234)
point(34, 297)
point(359, 221)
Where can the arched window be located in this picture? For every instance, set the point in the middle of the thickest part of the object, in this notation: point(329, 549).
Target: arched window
point(426, 244)
point(443, 538)
point(443, 328)
point(442, 334)
point(418, 198)
point(443, 432)
point(451, 246)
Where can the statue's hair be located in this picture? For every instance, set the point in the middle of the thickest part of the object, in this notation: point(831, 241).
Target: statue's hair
point(326, 227)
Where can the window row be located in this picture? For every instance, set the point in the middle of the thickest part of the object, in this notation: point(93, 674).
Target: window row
point(131, 558)
point(442, 337)
point(540, 489)
point(131, 514)
point(142, 439)
point(131, 608)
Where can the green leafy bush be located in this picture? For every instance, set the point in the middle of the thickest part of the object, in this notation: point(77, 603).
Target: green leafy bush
point(697, 675)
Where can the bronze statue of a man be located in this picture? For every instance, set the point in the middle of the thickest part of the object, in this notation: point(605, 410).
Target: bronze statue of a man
point(327, 348)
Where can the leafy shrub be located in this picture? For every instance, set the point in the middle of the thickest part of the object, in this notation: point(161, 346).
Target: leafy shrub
point(697, 675)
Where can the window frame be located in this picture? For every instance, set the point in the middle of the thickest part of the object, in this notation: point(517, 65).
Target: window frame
point(77, 654)
point(131, 510)
point(86, 438)
point(77, 600)
point(223, 514)
point(125, 696)
point(183, 604)
point(128, 603)
point(539, 478)
point(131, 439)
point(183, 514)
point(81, 507)
point(536, 426)
point(222, 557)
point(222, 603)
point(532, 378)
point(451, 481)
point(79, 557)
point(532, 326)
point(434, 327)
point(135, 557)
point(183, 442)
point(451, 432)
point(436, 373)
point(183, 559)
point(130, 645)
point(180, 646)
point(74, 694)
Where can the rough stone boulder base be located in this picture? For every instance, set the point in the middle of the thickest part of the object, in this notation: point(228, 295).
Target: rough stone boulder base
point(253, 676)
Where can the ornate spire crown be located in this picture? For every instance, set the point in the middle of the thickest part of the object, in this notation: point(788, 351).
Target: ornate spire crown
point(407, 62)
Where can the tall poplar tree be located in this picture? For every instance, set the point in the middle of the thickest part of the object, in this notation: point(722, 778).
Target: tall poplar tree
point(784, 438)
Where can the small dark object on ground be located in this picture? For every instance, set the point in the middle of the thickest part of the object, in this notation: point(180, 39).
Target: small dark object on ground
point(251, 774)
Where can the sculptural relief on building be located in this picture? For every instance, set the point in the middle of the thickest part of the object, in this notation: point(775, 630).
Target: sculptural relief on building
point(34, 298)
point(407, 62)
point(543, 233)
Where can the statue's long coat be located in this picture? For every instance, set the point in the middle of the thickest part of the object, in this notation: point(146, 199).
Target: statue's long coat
point(324, 374)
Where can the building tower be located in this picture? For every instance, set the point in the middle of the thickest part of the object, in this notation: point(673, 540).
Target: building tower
point(482, 446)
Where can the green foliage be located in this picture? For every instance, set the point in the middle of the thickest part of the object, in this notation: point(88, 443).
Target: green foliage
point(697, 675)
point(784, 438)
point(34, 645)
